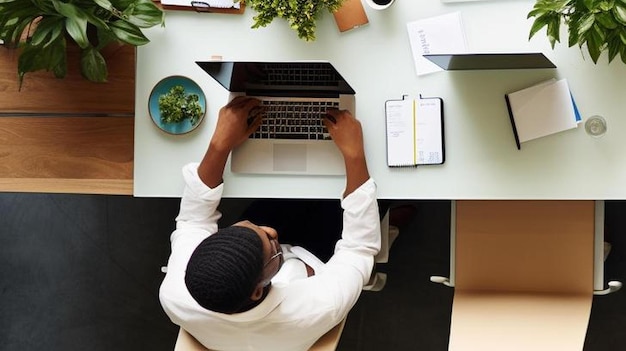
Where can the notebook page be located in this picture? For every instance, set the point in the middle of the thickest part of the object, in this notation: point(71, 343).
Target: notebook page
point(400, 127)
point(428, 133)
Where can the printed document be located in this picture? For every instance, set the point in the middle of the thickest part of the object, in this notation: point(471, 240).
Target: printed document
point(223, 4)
point(436, 35)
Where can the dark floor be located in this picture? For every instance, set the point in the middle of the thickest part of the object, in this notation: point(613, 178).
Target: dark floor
point(81, 272)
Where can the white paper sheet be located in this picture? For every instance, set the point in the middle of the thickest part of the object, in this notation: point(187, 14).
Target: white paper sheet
point(435, 35)
point(225, 4)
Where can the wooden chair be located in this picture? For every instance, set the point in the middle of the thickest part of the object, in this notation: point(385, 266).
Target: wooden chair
point(327, 342)
point(521, 268)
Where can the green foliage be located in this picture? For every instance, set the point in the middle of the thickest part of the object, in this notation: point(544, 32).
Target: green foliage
point(92, 24)
point(300, 14)
point(600, 25)
point(175, 106)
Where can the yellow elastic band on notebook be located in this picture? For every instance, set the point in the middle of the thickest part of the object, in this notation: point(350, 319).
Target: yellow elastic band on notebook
point(414, 133)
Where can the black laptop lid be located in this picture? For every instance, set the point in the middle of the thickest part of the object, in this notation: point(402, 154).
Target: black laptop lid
point(452, 62)
point(297, 78)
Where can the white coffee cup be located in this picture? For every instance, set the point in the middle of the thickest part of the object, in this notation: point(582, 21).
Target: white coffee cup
point(379, 4)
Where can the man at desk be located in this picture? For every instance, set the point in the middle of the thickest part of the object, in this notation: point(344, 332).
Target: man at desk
point(236, 288)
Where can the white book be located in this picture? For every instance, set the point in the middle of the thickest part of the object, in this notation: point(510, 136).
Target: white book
point(540, 110)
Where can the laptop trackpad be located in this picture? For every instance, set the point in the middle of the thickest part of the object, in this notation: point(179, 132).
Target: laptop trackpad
point(290, 157)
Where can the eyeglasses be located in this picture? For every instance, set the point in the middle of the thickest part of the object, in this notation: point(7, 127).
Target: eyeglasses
point(277, 253)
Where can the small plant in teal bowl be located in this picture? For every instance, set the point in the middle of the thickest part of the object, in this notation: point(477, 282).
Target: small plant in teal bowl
point(177, 105)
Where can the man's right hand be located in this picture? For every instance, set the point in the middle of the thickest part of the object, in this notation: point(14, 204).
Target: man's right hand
point(236, 121)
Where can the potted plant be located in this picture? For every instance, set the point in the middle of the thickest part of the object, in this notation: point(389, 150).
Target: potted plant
point(600, 25)
point(300, 14)
point(175, 106)
point(41, 30)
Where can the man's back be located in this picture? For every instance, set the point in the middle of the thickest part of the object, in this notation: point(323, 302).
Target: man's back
point(282, 307)
point(294, 314)
point(297, 309)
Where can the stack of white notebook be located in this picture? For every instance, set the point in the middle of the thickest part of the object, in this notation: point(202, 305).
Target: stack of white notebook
point(542, 109)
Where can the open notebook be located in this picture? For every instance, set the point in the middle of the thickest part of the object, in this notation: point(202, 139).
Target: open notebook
point(414, 129)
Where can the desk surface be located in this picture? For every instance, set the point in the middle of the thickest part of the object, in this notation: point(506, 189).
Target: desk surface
point(482, 161)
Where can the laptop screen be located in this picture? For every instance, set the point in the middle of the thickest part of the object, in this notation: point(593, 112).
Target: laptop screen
point(453, 62)
point(277, 76)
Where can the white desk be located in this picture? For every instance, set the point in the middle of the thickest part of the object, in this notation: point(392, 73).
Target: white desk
point(482, 161)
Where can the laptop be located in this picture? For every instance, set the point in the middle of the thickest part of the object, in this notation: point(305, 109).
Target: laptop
point(456, 62)
point(292, 138)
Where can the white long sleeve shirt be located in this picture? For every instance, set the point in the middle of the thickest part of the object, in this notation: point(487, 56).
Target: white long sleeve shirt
point(298, 309)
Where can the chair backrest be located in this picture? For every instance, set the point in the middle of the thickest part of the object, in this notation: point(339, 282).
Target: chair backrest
point(522, 268)
point(327, 342)
point(186, 342)
point(330, 340)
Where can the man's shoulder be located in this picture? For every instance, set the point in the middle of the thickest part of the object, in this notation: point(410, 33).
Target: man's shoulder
point(317, 297)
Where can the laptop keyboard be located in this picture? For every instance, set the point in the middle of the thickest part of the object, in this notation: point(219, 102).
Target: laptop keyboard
point(309, 74)
point(294, 120)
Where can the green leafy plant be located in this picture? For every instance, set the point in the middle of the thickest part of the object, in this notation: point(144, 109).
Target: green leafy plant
point(600, 25)
point(175, 106)
point(300, 14)
point(41, 28)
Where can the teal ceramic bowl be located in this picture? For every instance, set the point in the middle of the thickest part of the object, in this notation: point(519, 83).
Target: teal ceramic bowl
point(162, 88)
